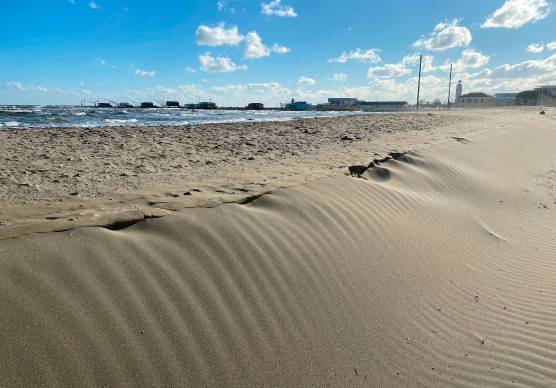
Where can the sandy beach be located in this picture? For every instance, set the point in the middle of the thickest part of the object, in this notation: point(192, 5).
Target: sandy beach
point(382, 250)
point(53, 179)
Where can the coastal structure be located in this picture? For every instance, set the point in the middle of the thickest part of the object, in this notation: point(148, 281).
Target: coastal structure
point(353, 104)
point(504, 99)
point(339, 104)
point(459, 90)
point(255, 106)
point(297, 105)
point(547, 90)
point(343, 101)
point(381, 106)
point(474, 100)
point(547, 95)
point(147, 104)
point(172, 104)
point(204, 105)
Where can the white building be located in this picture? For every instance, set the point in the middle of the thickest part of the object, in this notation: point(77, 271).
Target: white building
point(474, 100)
point(459, 90)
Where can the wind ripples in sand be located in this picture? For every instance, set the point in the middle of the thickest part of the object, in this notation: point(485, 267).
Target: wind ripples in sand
point(414, 280)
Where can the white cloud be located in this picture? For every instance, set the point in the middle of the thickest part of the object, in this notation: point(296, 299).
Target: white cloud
point(339, 77)
point(15, 85)
point(512, 77)
point(218, 35)
point(551, 45)
point(516, 13)
point(255, 48)
point(388, 71)
point(365, 56)
point(530, 68)
point(276, 48)
point(212, 64)
point(220, 5)
point(190, 70)
point(535, 48)
point(306, 81)
point(101, 61)
point(94, 5)
point(471, 58)
point(275, 8)
point(413, 60)
point(145, 73)
point(162, 90)
point(446, 35)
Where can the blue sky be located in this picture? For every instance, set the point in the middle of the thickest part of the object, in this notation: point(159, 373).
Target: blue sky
point(239, 51)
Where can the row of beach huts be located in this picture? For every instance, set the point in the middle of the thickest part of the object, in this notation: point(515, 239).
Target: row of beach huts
point(333, 104)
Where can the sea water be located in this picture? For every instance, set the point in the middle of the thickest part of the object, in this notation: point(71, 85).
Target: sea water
point(78, 116)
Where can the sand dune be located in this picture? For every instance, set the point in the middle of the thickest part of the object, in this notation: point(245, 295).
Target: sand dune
point(435, 268)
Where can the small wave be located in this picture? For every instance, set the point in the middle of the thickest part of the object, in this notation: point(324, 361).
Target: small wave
point(8, 112)
point(56, 119)
point(119, 121)
point(10, 124)
point(80, 113)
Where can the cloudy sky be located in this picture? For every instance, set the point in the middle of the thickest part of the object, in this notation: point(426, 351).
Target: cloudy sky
point(240, 51)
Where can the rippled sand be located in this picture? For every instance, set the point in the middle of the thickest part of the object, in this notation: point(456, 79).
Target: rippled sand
point(433, 266)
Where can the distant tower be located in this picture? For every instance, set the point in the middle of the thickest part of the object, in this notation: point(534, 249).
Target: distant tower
point(459, 90)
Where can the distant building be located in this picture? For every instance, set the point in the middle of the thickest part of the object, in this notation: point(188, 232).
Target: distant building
point(527, 97)
point(343, 101)
point(547, 90)
point(297, 105)
point(147, 104)
point(547, 95)
point(381, 106)
point(459, 90)
point(504, 99)
point(339, 104)
point(172, 104)
point(206, 105)
point(474, 100)
point(542, 95)
point(104, 105)
point(125, 105)
point(255, 106)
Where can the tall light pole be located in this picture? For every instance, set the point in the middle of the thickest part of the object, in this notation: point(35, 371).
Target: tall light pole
point(419, 82)
point(449, 88)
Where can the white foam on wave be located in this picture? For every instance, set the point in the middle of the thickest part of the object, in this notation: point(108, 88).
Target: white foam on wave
point(9, 124)
point(119, 121)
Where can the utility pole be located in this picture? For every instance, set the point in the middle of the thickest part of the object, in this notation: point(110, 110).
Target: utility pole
point(449, 88)
point(419, 82)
